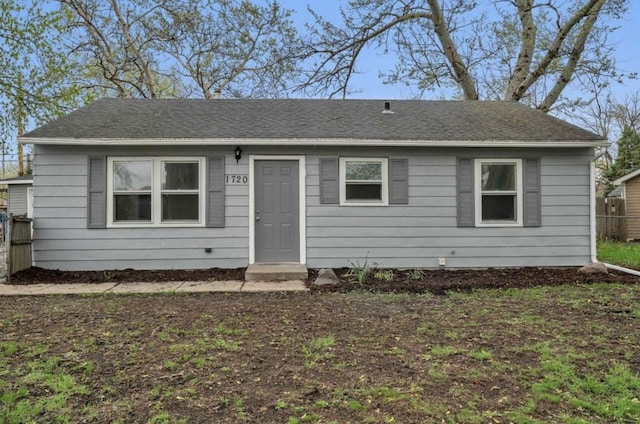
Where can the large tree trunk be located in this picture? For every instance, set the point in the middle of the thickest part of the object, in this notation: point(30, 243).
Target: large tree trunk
point(460, 70)
point(527, 48)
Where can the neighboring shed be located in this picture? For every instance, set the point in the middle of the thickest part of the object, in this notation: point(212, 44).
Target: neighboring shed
point(153, 184)
point(630, 191)
point(20, 195)
point(616, 192)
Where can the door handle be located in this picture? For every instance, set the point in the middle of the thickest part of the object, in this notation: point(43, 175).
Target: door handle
point(257, 218)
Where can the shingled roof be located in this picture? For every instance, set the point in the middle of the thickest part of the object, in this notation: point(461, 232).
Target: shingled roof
point(188, 120)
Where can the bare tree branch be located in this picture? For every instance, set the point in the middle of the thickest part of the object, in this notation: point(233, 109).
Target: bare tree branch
point(461, 72)
point(574, 57)
point(527, 47)
point(531, 52)
point(131, 46)
point(553, 50)
point(177, 48)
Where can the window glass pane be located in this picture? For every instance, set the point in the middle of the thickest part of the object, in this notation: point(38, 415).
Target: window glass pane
point(180, 207)
point(132, 176)
point(498, 207)
point(498, 177)
point(364, 171)
point(132, 207)
point(179, 175)
point(364, 191)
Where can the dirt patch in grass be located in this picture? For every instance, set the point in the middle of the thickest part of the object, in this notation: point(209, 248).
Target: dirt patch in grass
point(437, 281)
point(547, 354)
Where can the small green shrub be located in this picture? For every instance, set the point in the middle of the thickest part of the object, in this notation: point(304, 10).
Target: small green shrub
point(383, 275)
point(415, 274)
point(360, 271)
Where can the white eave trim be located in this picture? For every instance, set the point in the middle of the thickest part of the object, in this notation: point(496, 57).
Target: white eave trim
point(627, 177)
point(13, 182)
point(306, 142)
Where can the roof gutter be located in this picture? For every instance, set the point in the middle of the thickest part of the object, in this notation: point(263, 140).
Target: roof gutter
point(305, 142)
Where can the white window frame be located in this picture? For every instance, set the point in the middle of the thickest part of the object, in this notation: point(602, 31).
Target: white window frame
point(384, 164)
point(478, 192)
point(156, 192)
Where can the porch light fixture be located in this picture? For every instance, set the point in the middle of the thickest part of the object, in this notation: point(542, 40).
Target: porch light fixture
point(238, 154)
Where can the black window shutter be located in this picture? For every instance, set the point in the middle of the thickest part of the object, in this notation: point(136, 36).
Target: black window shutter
point(532, 209)
point(97, 192)
point(215, 192)
point(465, 202)
point(398, 181)
point(329, 181)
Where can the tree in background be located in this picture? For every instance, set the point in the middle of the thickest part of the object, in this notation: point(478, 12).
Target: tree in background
point(36, 79)
point(56, 56)
point(627, 159)
point(619, 122)
point(521, 50)
point(183, 48)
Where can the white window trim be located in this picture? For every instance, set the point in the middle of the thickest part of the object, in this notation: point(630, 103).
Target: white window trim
point(385, 182)
point(478, 193)
point(156, 192)
point(29, 202)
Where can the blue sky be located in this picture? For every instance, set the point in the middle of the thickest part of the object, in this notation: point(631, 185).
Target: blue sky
point(367, 84)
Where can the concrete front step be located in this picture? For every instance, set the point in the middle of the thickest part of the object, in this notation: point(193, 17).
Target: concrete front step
point(276, 272)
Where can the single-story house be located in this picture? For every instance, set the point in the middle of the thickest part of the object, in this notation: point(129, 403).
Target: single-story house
point(19, 195)
point(629, 188)
point(187, 184)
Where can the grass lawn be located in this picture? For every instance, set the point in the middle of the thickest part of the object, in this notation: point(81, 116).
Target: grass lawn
point(624, 254)
point(567, 354)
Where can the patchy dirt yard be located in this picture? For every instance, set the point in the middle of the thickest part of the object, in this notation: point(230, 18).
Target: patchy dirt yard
point(567, 353)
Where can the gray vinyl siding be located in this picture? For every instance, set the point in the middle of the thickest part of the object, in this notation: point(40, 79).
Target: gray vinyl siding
point(414, 235)
point(417, 234)
point(62, 241)
point(18, 199)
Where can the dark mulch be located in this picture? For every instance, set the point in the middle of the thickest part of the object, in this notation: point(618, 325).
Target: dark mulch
point(440, 281)
point(36, 275)
point(437, 281)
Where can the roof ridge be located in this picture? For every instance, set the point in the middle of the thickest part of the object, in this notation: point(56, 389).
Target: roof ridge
point(323, 119)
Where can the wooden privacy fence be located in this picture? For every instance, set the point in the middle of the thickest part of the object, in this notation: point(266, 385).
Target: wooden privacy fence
point(611, 220)
point(18, 244)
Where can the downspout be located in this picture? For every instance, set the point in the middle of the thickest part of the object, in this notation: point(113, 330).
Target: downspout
point(622, 269)
point(592, 206)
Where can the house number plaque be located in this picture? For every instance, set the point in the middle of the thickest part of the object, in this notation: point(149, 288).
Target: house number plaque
point(236, 179)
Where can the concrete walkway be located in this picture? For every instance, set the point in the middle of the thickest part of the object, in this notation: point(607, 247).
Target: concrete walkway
point(166, 287)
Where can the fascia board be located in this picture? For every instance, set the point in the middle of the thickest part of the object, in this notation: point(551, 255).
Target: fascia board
point(307, 142)
point(627, 177)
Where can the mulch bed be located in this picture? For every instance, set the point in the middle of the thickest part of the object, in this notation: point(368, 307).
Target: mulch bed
point(36, 275)
point(437, 281)
point(440, 281)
